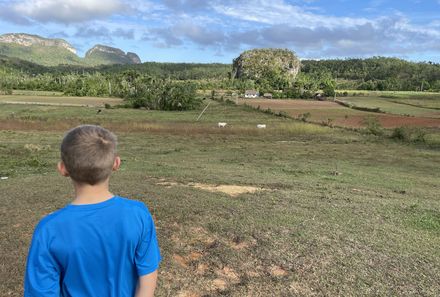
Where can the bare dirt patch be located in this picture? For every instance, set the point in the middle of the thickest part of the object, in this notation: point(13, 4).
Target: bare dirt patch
point(277, 271)
point(291, 104)
point(181, 261)
point(202, 268)
point(193, 256)
point(229, 274)
point(231, 190)
point(219, 284)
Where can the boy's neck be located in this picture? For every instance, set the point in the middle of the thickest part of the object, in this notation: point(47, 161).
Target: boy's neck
point(91, 194)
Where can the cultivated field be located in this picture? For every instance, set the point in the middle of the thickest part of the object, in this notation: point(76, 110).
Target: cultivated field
point(418, 99)
point(391, 106)
point(393, 112)
point(53, 98)
point(296, 209)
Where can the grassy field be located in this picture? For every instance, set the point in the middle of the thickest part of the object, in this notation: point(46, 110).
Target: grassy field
point(335, 212)
point(418, 99)
point(393, 106)
point(54, 98)
point(36, 93)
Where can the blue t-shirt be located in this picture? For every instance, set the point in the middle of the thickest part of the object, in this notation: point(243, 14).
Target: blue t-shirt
point(92, 250)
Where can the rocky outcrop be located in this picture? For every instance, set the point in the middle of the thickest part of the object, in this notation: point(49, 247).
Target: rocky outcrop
point(134, 58)
point(112, 54)
point(104, 49)
point(259, 63)
point(54, 52)
point(29, 40)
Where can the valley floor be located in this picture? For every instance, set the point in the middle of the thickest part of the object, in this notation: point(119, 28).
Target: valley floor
point(325, 211)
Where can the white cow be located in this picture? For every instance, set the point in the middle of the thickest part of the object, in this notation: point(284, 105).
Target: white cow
point(261, 126)
point(222, 125)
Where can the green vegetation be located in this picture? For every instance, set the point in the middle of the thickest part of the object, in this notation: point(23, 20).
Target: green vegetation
point(38, 54)
point(379, 73)
point(276, 75)
point(163, 95)
point(340, 213)
point(55, 52)
point(343, 202)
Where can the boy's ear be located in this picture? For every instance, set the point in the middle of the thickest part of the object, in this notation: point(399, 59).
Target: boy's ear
point(62, 169)
point(116, 163)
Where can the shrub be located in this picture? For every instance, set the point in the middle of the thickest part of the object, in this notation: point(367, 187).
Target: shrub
point(229, 101)
point(419, 135)
point(400, 133)
point(305, 116)
point(409, 134)
point(282, 114)
point(6, 91)
point(165, 95)
point(373, 126)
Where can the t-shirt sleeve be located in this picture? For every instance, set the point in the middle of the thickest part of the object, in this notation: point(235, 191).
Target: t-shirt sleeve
point(42, 273)
point(147, 256)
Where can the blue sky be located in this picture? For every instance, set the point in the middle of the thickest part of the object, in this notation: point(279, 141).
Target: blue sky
point(218, 30)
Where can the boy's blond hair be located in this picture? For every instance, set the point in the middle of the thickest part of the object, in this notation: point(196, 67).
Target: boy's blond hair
point(88, 153)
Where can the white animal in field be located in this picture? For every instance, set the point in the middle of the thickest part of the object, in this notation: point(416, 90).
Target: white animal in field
point(261, 126)
point(222, 125)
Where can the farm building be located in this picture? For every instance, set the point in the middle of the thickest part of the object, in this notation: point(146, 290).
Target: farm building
point(268, 95)
point(320, 97)
point(251, 94)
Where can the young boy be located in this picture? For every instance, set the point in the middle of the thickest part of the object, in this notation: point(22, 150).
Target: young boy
point(99, 245)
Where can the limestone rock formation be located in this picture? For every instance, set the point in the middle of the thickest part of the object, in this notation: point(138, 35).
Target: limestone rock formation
point(134, 58)
point(260, 63)
point(30, 40)
point(111, 55)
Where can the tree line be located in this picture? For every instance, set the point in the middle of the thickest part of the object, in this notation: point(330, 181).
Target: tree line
point(173, 86)
point(379, 74)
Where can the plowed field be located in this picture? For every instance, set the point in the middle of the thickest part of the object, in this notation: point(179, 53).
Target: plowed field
point(338, 115)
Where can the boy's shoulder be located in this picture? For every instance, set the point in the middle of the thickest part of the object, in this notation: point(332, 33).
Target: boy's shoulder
point(48, 220)
point(133, 207)
point(57, 217)
point(130, 203)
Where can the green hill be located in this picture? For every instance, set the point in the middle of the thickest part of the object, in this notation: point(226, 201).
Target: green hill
point(105, 55)
point(54, 52)
point(43, 55)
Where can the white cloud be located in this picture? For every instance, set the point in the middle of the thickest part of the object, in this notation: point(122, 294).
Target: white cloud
point(273, 12)
point(232, 25)
point(68, 11)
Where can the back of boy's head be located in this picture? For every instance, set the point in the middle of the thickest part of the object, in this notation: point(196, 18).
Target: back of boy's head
point(88, 153)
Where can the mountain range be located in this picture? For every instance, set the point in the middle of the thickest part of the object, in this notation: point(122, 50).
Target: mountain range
point(54, 52)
